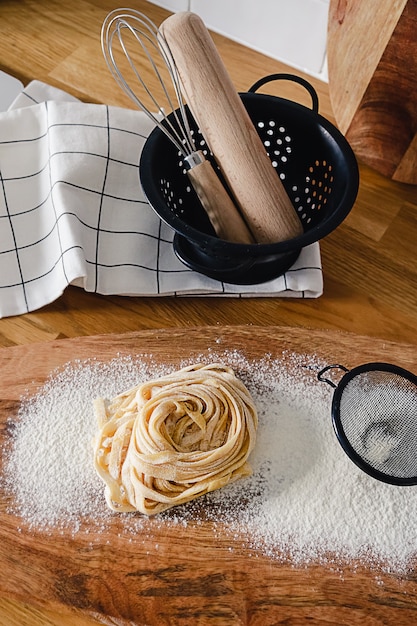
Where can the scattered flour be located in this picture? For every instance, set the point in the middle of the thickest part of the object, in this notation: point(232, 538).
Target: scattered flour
point(306, 501)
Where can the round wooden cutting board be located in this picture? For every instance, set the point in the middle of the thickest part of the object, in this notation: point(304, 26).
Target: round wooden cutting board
point(175, 575)
point(372, 59)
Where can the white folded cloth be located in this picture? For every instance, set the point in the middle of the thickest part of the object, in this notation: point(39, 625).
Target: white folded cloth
point(72, 211)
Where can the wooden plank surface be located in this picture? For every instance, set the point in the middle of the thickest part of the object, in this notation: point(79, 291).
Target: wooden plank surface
point(189, 576)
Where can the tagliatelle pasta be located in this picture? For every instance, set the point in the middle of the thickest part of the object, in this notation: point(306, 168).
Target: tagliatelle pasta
point(175, 438)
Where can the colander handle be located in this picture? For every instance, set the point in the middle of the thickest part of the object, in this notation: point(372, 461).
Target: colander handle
point(293, 78)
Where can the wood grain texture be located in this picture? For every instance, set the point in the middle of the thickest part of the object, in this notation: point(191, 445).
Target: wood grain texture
point(372, 57)
point(358, 34)
point(110, 577)
point(369, 265)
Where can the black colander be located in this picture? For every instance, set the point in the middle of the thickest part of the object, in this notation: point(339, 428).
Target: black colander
point(313, 159)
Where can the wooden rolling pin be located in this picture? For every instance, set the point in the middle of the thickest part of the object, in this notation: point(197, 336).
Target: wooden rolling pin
point(228, 130)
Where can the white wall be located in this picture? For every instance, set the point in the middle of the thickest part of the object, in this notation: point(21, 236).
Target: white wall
point(292, 31)
point(173, 5)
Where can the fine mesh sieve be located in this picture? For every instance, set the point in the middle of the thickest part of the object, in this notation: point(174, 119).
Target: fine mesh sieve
point(374, 414)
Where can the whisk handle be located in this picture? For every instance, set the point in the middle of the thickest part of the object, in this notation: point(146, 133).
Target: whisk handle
point(223, 214)
point(229, 131)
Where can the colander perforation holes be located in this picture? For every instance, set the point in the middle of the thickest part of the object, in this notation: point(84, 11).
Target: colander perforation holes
point(313, 195)
point(277, 143)
point(172, 200)
point(165, 189)
point(181, 163)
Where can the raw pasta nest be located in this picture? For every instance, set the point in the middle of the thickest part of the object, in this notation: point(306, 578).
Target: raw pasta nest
point(172, 439)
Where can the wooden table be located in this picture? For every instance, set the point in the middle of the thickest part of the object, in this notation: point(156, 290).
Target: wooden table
point(369, 262)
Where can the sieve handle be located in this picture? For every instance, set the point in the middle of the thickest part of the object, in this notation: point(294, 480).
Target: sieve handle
point(223, 214)
point(292, 78)
point(323, 379)
point(228, 130)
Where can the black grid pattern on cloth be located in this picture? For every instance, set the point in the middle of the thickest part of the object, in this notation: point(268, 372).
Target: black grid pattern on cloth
point(71, 202)
point(72, 211)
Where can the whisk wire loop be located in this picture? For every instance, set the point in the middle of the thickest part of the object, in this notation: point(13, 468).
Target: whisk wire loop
point(153, 46)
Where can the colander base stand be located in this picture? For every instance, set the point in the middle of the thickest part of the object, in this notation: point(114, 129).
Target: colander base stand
point(249, 271)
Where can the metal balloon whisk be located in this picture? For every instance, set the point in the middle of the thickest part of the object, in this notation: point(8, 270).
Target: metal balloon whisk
point(131, 36)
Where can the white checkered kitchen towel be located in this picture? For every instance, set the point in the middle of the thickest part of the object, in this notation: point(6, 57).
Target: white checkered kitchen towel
point(72, 211)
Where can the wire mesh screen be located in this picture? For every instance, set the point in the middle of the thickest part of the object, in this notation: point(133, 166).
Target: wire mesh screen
point(378, 416)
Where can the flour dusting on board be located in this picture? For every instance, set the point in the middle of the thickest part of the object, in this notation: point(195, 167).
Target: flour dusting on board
point(305, 501)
